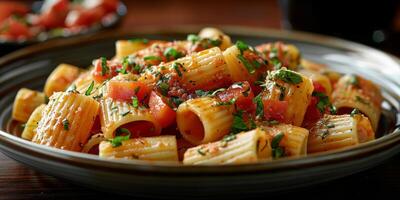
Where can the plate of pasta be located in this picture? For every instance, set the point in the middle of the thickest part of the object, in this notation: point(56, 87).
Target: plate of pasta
point(238, 111)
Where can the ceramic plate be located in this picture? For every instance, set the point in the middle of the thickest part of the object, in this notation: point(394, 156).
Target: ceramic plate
point(30, 67)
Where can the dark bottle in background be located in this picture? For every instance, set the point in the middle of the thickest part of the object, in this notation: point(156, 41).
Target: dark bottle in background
point(368, 22)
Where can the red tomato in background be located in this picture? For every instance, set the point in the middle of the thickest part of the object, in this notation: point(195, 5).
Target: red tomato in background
point(125, 90)
point(243, 94)
point(141, 129)
point(163, 114)
point(53, 14)
point(275, 109)
point(14, 29)
point(9, 8)
point(86, 17)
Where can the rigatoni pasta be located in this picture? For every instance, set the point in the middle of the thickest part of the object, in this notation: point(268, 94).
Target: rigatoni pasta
point(66, 121)
point(200, 101)
point(61, 77)
point(25, 103)
point(161, 148)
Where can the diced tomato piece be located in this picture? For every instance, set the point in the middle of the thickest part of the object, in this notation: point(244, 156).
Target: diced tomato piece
point(14, 29)
point(312, 114)
point(77, 18)
point(94, 150)
point(54, 13)
point(275, 109)
point(9, 8)
point(125, 90)
point(242, 93)
point(141, 129)
point(164, 115)
point(318, 87)
point(111, 70)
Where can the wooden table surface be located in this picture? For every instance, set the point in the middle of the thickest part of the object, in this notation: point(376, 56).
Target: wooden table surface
point(20, 182)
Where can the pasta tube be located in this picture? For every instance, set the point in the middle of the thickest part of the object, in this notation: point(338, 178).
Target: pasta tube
point(216, 34)
point(203, 70)
point(318, 78)
point(356, 92)
point(291, 89)
point(161, 148)
point(66, 121)
point(245, 147)
point(241, 67)
point(25, 103)
point(127, 47)
point(289, 140)
point(339, 131)
point(94, 141)
point(202, 120)
point(280, 54)
point(30, 126)
point(60, 78)
point(115, 114)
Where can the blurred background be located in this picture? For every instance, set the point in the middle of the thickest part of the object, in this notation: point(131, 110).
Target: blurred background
point(375, 23)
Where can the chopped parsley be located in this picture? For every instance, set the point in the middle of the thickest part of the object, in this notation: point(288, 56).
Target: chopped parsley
point(90, 88)
point(238, 124)
point(104, 67)
point(142, 40)
point(361, 100)
point(135, 102)
point(125, 64)
point(323, 102)
point(172, 53)
point(288, 76)
point(332, 109)
point(137, 89)
point(277, 151)
point(249, 66)
point(226, 103)
point(201, 152)
point(202, 93)
point(177, 67)
point(125, 113)
point(71, 88)
point(119, 138)
point(193, 38)
point(259, 105)
point(164, 87)
point(215, 42)
point(157, 58)
point(65, 123)
point(330, 125)
point(176, 100)
point(355, 111)
point(241, 46)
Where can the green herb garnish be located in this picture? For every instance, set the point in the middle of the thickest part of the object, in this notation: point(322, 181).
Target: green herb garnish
point(125, 113)
point(250, 68)
point(71, 88)
point(238, 124)
point(193, 38)
point(117, 141)
point(241, 46)
point(355, 111)
point(177, 67)
point(259, 106)
point(104, 67)
point(90, 88)
point(135, 102)
point(172, 53)
point(142, 40)
point(288, 76)
point(65, 123)
point(277, 151)
point(157, 58)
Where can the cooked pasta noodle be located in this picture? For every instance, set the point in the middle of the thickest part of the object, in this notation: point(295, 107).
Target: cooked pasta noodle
point(161, 148)
point(246, 147)
point(30, 126)
point(25, 103)
point(339, 131)
point(60, 78)
point(66, 121)
point(202, 120)
point(356, 92)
